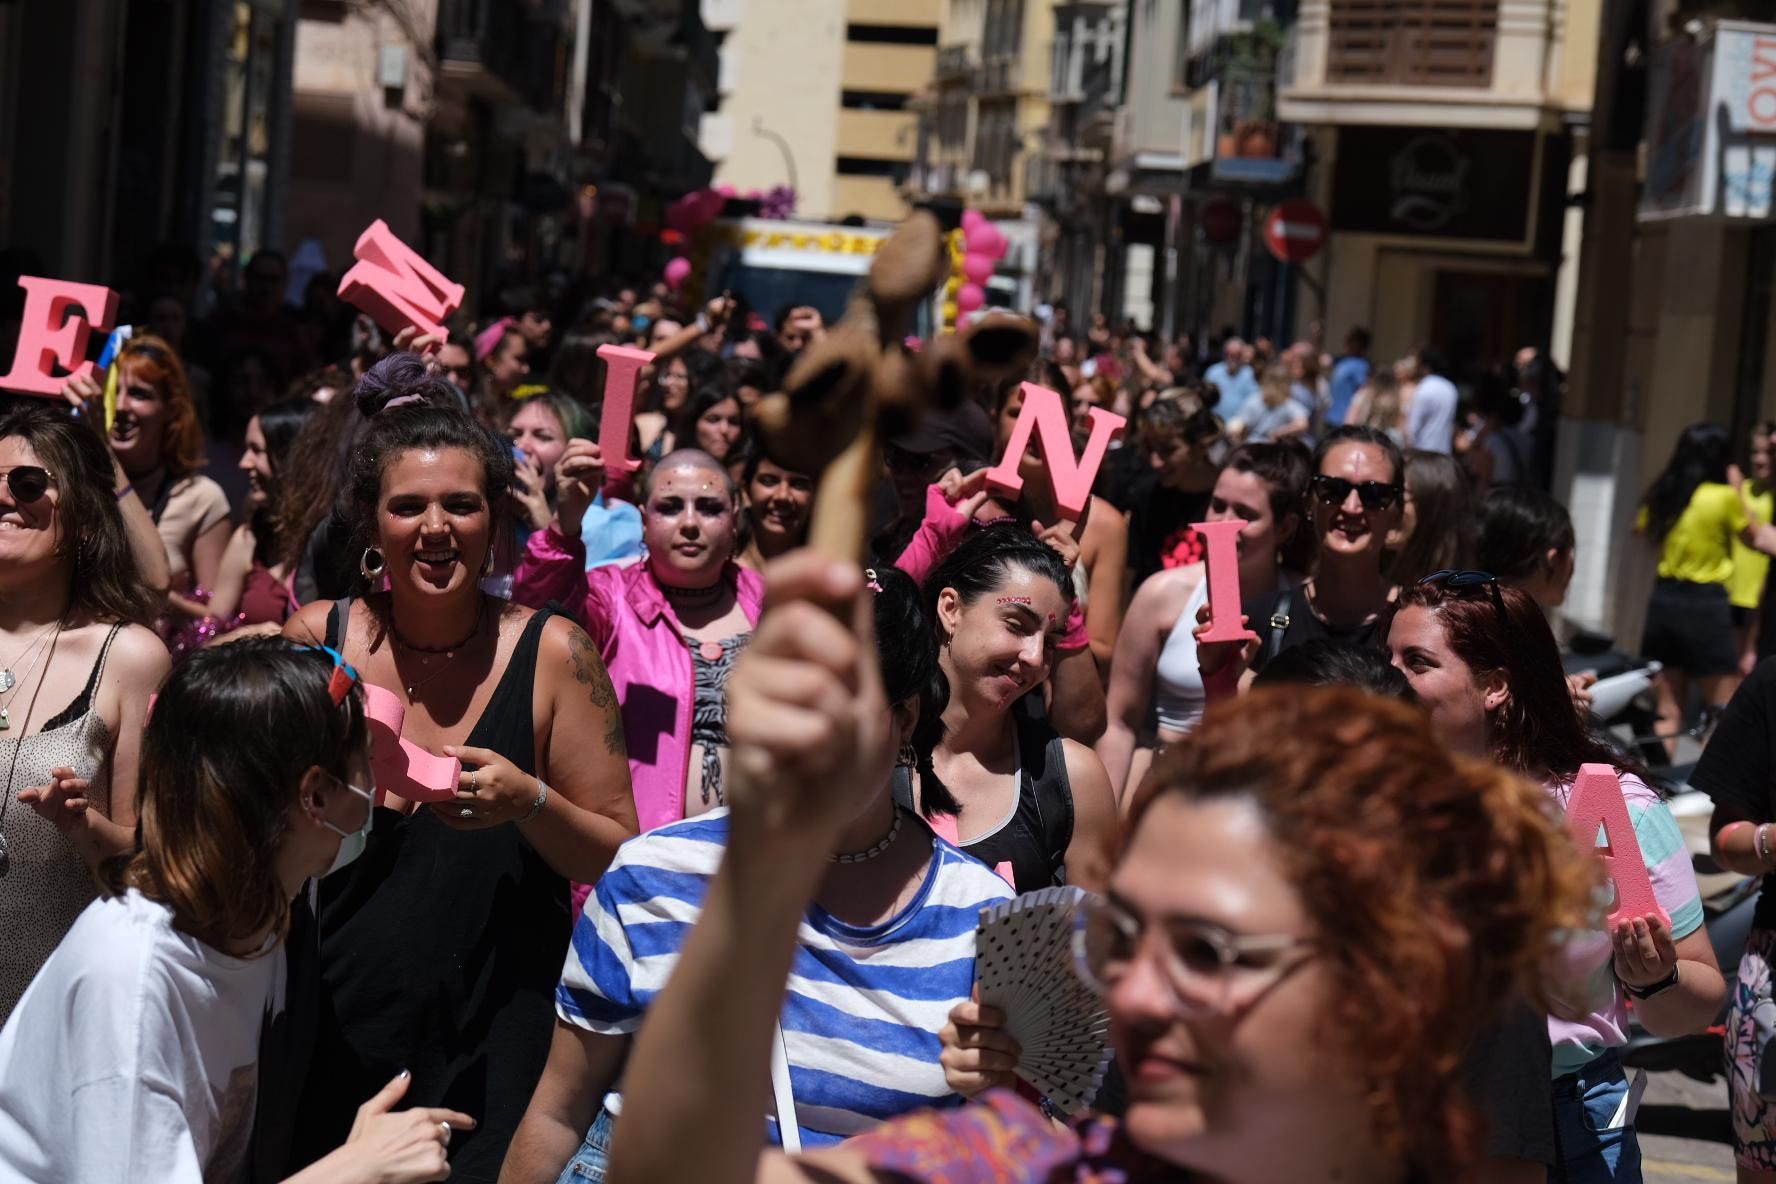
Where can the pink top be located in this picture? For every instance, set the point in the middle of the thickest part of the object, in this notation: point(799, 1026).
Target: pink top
point(642, 644)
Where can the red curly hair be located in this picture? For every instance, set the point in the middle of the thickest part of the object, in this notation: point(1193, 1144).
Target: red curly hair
point(1440, 881)
point(148, 359)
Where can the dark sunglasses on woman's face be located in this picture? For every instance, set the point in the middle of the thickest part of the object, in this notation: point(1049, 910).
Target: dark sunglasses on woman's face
point(26, 483)
point(1375, 495)
point(901, 461)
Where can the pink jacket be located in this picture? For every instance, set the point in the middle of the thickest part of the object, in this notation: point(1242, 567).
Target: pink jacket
point(641, 641)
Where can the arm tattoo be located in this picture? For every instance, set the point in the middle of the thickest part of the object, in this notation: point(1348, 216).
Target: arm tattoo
point(589, 672)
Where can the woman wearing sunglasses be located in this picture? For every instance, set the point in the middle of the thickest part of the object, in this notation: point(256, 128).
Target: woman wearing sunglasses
point(159, 444)
point(78, 662)
point(440, 949)
point(1315, 910)
point(1354, 501)
point(255, 778)
point(1261, 486)
point(1484, 665)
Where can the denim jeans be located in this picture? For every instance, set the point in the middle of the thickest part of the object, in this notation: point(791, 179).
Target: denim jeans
point(592, 1160)
point(1585, 1103)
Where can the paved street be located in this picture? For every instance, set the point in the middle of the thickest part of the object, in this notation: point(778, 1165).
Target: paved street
point(1685, 1131)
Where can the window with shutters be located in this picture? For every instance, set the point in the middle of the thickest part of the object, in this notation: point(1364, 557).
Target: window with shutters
point(1412, 42)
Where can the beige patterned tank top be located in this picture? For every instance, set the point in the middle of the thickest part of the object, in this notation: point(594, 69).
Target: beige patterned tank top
point(47, 885)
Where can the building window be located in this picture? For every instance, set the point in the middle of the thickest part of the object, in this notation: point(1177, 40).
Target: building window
point(872, 100)
point(893, 34)
point(863, 166)
point(1412, 42)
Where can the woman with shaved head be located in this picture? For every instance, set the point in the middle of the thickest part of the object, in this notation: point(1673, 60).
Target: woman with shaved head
point(669, 627)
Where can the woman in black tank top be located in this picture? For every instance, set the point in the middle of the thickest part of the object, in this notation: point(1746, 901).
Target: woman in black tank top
point(439, 949)
point(1001, 782)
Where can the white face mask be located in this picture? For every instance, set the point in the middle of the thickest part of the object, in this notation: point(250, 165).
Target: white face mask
point(352, 843)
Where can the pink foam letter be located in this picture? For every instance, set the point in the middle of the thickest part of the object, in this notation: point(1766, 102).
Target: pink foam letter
point(1597, 800)
point(622, 374)
point(1070, 479)
point(402, 767)
point(1221, 554)
point(396, 286)
point(49, 336)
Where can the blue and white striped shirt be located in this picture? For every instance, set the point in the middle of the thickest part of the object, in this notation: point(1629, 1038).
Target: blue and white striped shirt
point(864, 1006)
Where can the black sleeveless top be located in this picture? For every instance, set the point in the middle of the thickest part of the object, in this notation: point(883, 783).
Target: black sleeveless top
point(1034, 839)
point(439, 952)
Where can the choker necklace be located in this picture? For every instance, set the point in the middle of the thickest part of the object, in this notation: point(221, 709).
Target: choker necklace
point(886, 842)
point(707, 595)
point(449, 651)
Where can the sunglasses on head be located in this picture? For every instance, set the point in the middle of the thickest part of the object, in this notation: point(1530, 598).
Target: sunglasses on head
point(1457, 580)
point(27, 483)
point(1375, 495)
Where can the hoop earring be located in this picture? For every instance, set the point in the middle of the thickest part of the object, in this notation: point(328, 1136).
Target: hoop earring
point(372, 564)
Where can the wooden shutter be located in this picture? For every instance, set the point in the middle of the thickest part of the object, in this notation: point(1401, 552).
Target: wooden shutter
point(1412, 42)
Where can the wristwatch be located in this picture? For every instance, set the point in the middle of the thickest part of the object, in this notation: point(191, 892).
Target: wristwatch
point(1664, 984)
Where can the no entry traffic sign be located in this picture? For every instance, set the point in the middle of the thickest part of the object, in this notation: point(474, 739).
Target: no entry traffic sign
point(1295, 231)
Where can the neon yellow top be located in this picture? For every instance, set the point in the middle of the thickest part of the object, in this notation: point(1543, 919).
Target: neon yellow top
point(1750, 566)
point(1699, 547)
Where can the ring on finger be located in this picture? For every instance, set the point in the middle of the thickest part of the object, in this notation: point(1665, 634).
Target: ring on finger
point(465, 812)
point(446, 1128)
point(474, 780)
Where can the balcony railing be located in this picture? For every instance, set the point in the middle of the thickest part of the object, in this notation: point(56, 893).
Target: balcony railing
point(953, 62)
point(1412, 42)
point(500, 40)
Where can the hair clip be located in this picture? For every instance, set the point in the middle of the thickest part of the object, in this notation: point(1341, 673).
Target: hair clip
point(344, 677)
point(875, 584)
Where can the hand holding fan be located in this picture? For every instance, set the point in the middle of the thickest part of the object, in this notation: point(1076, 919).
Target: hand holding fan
point(1024, 967)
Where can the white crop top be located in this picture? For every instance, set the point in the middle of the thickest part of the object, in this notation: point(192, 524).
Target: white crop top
point(1178, 681)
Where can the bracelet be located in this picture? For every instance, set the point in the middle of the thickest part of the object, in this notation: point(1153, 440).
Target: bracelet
point(1647, 992)
point(126, 491)
point(704, 324)
point(1760, 844)
point(537, 807)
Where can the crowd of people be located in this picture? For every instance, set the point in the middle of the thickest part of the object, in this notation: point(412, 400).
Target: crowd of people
point(702, 901)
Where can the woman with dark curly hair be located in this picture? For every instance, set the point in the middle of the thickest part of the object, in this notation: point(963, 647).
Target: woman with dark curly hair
point(1317, 908)
point(440, 948)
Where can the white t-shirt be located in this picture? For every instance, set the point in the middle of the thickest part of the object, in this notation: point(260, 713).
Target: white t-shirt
point(134, 1054)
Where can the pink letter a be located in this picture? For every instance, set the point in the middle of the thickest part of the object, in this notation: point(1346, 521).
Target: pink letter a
point(50, 337)
point(1597, 800)
point(396, 286)
point(1070, 479)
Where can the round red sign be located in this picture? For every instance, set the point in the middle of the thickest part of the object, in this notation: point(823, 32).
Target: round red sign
point(1295, 231)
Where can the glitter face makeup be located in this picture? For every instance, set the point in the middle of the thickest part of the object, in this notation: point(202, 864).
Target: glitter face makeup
point(1023, 600)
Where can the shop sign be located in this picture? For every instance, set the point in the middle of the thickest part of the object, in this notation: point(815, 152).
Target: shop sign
point(1446, 183)
point(1711, 127)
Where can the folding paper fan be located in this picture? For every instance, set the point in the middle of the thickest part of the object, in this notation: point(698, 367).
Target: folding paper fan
point(1024, 967)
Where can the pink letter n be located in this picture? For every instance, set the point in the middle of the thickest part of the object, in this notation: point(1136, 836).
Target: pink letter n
point(1070, 479)
point(49, 336)
point(396, 286)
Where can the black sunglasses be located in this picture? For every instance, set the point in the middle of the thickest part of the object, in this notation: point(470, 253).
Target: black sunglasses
point(1467, 579)
point(899, 460)
point(1375, 495)
point(27, 483)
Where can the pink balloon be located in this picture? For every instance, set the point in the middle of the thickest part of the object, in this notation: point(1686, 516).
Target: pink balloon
point(677, 269)
point(708, 206)
point(728, 191)
point(977, 268)
point(988, 241)
point(970, 297)
point(971, 218)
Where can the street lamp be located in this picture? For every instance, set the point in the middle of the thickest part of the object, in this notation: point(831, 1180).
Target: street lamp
point(759, 129)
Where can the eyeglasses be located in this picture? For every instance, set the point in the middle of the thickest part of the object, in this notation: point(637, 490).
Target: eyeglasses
point(1209, 970)
point(1457, 580)
point(27, 483)
point(1375, 495)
